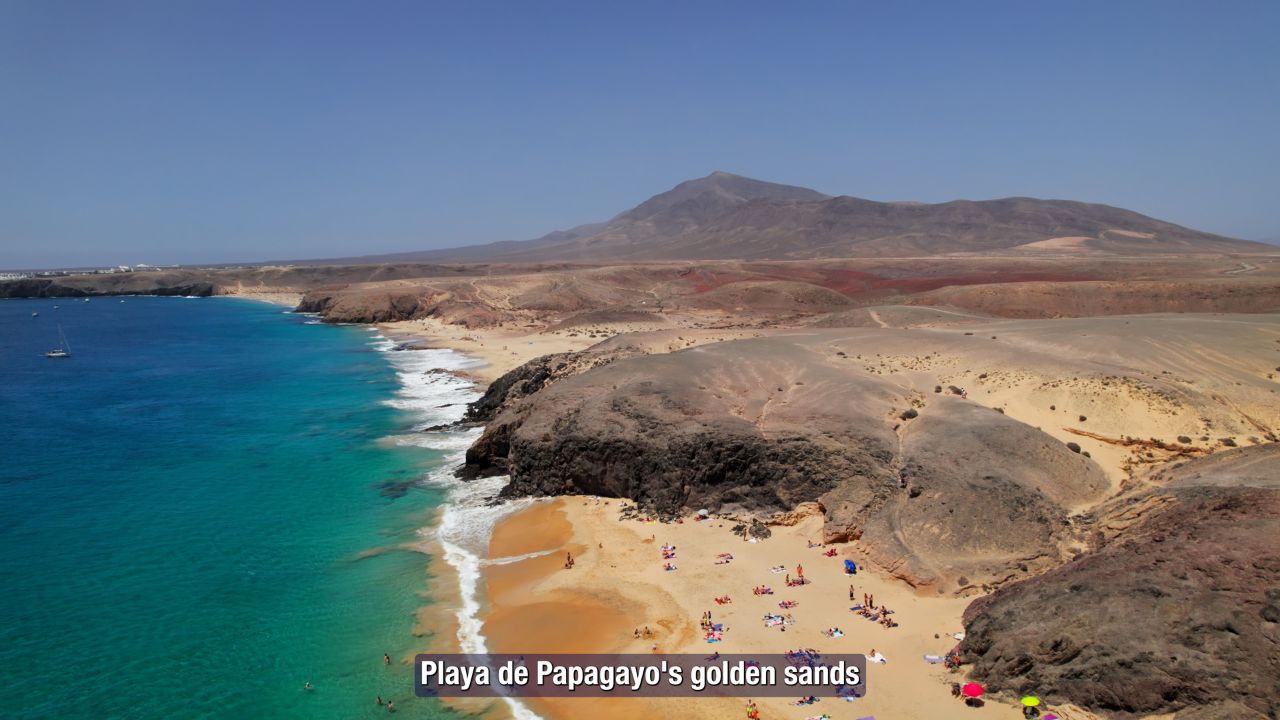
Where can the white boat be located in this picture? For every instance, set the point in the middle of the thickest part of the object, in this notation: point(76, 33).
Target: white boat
point(35, 314)
point(63, 350)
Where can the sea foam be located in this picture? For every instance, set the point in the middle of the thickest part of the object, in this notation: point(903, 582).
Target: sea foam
point(432, 395)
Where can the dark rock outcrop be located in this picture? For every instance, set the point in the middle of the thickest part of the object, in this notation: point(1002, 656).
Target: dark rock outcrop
point(341, 306)
point(533, 376)
point(680, 431)
point(51, 288)
point(986, 501)
point(762, 425)
point(1179, 610)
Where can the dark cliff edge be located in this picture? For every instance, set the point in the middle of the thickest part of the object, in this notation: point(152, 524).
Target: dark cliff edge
point(1179, 611)
point(673, 433)
point(51, 288)
point(339, 305)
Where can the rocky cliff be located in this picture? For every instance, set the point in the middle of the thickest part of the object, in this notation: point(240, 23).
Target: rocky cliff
point(54, 287)
point(763, 425)
point(1180, 608)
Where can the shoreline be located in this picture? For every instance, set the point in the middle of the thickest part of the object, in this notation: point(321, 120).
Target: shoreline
point(455, 537)
point(498, 350)
point(283, 299)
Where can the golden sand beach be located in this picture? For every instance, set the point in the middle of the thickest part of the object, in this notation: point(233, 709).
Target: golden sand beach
point(618, 585)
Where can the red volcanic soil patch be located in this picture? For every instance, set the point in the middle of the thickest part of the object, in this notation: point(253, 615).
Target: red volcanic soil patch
point(845, 282)
point(705, 281)
point(855, 283)
point(924, 284)
point(848, 282)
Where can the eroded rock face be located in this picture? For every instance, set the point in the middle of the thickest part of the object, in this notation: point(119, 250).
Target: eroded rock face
point(535, 375)
point(690, 432)
point(46, 288)
point(339, 305)
point(763, 425)
point(1179, 610)
point(986, 500)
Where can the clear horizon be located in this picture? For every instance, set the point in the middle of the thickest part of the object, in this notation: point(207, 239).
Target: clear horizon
point(235, 132)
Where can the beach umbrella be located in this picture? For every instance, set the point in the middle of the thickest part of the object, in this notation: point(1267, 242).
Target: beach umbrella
point(1031, 701)
point(972, 690)
point(704, 512)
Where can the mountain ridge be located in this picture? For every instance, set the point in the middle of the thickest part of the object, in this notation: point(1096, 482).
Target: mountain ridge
point(723, 216)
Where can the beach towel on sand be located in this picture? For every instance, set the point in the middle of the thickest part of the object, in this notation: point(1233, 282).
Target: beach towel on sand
point(933, 659)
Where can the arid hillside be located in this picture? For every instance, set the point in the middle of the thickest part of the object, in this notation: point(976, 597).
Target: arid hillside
point(700, 293)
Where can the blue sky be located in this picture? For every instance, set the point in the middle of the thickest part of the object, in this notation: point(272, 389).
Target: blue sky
point(220, 131)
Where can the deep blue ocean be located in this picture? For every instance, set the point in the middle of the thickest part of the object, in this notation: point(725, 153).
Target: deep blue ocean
point(206, 507)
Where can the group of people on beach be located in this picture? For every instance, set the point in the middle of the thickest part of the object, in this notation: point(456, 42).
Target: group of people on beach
point(669, 554)
point(869, 610)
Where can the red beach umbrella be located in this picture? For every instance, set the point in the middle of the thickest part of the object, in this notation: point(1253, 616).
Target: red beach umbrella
point(972, 690)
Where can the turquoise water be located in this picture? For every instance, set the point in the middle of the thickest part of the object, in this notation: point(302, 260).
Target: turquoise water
point(195, 518)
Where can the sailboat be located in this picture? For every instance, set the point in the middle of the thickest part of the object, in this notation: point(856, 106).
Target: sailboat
point(63, 350)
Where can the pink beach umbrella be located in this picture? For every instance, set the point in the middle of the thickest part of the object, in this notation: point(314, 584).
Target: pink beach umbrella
point(972, 690)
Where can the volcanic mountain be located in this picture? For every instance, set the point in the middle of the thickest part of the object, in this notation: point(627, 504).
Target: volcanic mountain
point(725, 216)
